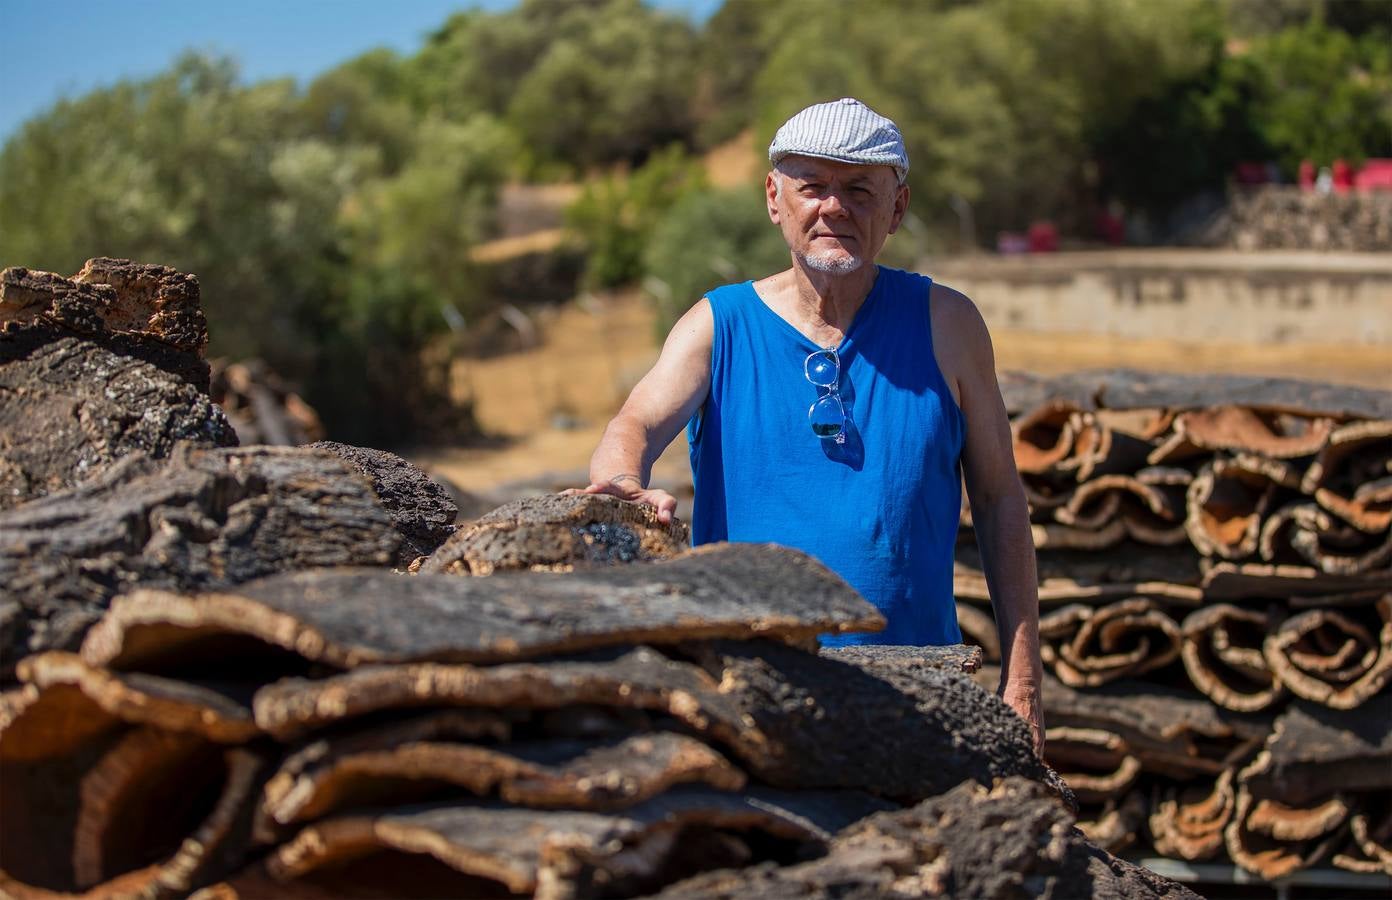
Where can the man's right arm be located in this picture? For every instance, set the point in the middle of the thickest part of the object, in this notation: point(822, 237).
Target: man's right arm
point(655, 412)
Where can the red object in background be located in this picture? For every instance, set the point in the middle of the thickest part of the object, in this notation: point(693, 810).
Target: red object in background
point(1111, 228)
point(1252, 173)
point(1043, 237)
point(1376, 175)
point(1307, 175)
point(1343, 176)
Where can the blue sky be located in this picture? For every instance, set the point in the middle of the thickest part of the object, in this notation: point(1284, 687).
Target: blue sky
point(58, 48)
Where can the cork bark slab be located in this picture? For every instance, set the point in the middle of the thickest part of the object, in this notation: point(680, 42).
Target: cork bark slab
point(1090, 647)
point(1096, 764)
point(202, 519)
point(1355, 454)
point(1370, 845)
point(961, 658)
point(1187, 822)
point(1044, 436)
point(96, 368)
point(91, 802)
point(1331, 657)
point(136, 698)
point(559, 532)
point(1159, 503)
point(1117, 823)
point(1274, 839)
point(1100, 450)
point(331, 775)
point(1222, 653)
point(640, 679)
point(1079, 576)
point(527, 849)
point(1172, 731)
point(1129, 389)
point(420, 508)
point(1228, 501)
point(1010, 841)
point(828, 720)
point(1230, 581)
point(352, 618)
point(1240, 429)
point(1314, 752)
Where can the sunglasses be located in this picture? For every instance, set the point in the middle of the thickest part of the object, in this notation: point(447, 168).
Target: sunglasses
point(827, 415)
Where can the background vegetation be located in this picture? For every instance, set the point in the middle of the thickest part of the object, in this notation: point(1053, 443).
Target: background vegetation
point(331, 225)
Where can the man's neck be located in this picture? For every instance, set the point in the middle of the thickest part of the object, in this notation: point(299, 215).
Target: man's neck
point(828, 302)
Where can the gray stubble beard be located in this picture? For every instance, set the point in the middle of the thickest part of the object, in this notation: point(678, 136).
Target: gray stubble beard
point(841, 266)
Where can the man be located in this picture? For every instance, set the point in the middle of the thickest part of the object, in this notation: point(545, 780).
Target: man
point(837, 406)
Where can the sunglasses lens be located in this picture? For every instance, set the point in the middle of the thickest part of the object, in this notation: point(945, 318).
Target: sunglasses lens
point(822, 368)
point(827, 417)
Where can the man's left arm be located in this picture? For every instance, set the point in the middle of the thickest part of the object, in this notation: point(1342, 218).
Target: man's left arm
point(1000, 514)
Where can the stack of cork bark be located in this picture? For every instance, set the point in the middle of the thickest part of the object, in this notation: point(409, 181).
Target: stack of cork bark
point(221, 677)
point(1285, 217)
point(261, 406)
point(1216, 612)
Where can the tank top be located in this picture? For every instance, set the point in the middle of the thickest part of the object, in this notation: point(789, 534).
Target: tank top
point(880, 510)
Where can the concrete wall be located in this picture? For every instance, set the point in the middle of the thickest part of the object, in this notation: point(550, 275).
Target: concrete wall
point(1189, 295)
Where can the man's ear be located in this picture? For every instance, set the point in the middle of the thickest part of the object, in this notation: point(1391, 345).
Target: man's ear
point(901, 208)
point(771, 196)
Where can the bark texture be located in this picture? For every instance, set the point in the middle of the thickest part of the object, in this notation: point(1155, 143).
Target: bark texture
point(349, 618)
point(557, 533)
point(203, 519)
point(1012, 841)
point(420, 508)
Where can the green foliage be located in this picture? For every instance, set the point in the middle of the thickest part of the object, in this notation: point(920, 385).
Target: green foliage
point(615, 215)
point(1320, 93)
point(710, 238)
point(323, 226)
point(582, 83)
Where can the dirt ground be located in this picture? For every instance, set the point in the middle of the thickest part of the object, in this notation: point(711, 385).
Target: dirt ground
point(551, 403)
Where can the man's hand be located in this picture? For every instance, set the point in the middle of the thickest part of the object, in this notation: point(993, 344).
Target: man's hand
point(1025, 700)
point(630, 487)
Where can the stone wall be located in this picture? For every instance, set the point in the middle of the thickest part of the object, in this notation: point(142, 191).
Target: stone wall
point(1188, 295)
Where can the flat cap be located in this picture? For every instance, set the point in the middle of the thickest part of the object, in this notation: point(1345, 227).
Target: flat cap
point(845, 130)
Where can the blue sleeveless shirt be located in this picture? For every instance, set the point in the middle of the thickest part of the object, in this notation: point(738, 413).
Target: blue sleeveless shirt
point(880, 510)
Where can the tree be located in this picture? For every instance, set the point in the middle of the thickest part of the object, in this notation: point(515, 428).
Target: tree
point(707, 239)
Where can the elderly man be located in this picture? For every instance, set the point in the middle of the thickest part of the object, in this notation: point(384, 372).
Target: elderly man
point(837, 406)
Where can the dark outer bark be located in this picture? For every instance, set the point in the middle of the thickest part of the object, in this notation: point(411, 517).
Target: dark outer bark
point(1080, 575)
point(511, 843)
point(793, 719)
point(72, 407)
point(1315, 752)
point(639, 679)
point(53, 740)
point(1173, 732)
point(1231, 581)
point(1132, 389)
point(1013, 841)
point(144, 699)
point(201, 520)
point(951, 658)
point(150, 299)
point(325, 778)
point(840, 726)
point(147, 311)
point(421, 510)
point(557, 532)
point(723, 590)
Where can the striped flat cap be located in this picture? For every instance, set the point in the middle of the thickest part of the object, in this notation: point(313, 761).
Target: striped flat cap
point(845, 130)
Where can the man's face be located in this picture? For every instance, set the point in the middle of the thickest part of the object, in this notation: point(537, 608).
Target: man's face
point(835, 216)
